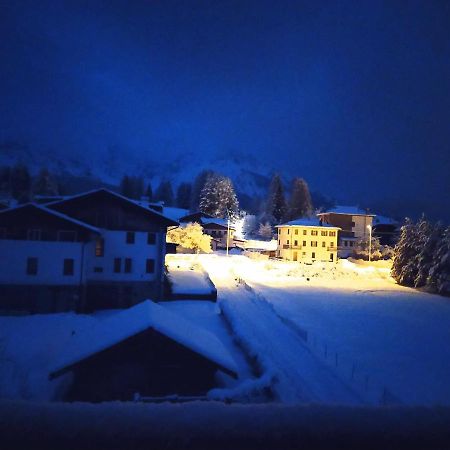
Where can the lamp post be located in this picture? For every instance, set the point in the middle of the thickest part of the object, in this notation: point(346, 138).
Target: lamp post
point(369, 227)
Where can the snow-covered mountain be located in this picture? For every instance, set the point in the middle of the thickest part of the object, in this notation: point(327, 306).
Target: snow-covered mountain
point(251, 178)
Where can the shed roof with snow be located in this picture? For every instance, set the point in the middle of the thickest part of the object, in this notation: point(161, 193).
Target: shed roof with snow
point(127, 323)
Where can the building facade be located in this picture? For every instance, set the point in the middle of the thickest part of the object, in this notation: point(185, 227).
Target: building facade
point(91, 251)
point(354, 224)
point(307, 240)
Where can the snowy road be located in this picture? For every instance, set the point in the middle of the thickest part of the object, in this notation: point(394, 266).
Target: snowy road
point(299, 375)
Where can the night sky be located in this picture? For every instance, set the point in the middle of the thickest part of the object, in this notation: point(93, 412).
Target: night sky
point(353, 96)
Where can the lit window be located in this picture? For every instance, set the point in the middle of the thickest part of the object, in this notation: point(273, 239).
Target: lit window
point(304, 243)
point(332, 233)
point(323, 244)
point(313, 255)
point(313, 243)
point(304, 232)
point(99, 247)
point(313, 232)
point(324, 233)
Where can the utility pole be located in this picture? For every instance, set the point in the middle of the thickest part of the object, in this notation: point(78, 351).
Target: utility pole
point(370, 242)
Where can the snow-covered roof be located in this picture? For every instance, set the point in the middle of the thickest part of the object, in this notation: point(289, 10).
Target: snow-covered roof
point(174, 213)
point(129, 322)
point(53, 213)
point(353, 210)
point(307, 223)
point(383, 220)
point(114, 194)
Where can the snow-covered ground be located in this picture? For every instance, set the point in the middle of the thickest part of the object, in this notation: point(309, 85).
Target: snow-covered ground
point(389, 337)
point(186, 276)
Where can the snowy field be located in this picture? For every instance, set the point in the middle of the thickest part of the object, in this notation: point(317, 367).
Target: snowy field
point(368, 331)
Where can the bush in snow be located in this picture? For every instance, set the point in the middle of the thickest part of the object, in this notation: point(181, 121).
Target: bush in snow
point(190, 237)
point(439, 273)
point(361, 249)
point(265, 230)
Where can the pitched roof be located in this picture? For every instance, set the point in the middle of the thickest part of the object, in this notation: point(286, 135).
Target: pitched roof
point(129, 322)
point(50, 212)
point(350, 210)
point(307, 223)
point(168, 221)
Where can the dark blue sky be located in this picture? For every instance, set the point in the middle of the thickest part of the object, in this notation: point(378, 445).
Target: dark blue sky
point(353, 96)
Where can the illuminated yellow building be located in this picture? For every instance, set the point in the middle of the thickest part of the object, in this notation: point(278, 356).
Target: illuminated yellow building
point(307, 240)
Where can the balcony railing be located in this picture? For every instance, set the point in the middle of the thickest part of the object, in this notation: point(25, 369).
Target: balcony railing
point(292, 247)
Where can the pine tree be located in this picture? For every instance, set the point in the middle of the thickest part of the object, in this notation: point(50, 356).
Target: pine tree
point(197, 187)
point(126, 188)
point(300, 204)
point(184, 195)
point(45, 184)
point(218, 198)
point(191, 237)
point(20, 183)
point(404, 269)
point(276, 203)
point(149, 192)
point(138, 187)
point(164, 193)
point(265, 230)
point(428, 239)
point(439, 273)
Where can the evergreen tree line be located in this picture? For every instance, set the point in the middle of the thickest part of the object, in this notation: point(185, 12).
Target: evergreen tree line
point(17, 182)
point(422, 256)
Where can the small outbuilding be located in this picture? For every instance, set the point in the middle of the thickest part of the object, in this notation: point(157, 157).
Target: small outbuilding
point(146, 349)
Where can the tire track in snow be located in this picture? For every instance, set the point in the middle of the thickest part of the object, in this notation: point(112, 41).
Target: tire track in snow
point(299, 375)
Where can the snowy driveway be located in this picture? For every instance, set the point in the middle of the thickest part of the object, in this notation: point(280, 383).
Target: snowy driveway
point(299, 376)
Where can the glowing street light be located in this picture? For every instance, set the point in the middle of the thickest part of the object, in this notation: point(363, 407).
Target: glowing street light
point(369, 227)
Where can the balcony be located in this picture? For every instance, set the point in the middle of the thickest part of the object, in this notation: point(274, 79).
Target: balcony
point(292, 247)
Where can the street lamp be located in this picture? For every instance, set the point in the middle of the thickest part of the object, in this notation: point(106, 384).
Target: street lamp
point(369, 227)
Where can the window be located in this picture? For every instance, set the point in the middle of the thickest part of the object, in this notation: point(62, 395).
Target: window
point(150, 266)
point(304, 232)
point(313, 232)
point(295, 243)
point(98, 269)
point(67, 235)
point(304, 243)
point(279, 230)
point(303, 253)
point(353, 224)
point(351, 243)
point(331, 244)
point(34, 235)
point(296, 231)
point(288, 230)
point(151, 238)
point(324, 233)
point(99, 247)
point(68, 266)
point(313, 243)
point(313, 255)
point(345, 243)
point(128, 265)
point(323, 244)
point(130, 237)
point(117, 265)
point(32, 266)
point(279, 241)
point(287, 242)
point(332, 233)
